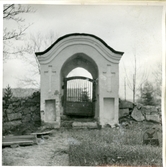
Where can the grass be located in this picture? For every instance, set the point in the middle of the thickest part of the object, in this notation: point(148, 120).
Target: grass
point(113, 147)
point(107, 146)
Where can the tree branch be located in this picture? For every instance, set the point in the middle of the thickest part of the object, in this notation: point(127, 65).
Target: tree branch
point(11, 11)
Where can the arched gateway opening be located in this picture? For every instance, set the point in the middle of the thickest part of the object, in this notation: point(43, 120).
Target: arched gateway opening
point(79, 92)
point(57, 97)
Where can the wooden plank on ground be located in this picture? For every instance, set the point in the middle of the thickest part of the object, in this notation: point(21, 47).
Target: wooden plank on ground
point(33, 136)
point(42, 133)
point(23, 143)
point(20, 140)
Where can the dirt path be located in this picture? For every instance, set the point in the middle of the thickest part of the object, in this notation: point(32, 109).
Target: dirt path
point(50, 152)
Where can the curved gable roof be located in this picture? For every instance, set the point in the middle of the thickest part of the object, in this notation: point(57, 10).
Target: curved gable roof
point(78, 34)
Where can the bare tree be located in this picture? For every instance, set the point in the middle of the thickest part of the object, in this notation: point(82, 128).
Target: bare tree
point(40, 42)
point(157, 73)
point(23, 48)
point(12, 13)
point(134, 79)
point(36, 43)
point(125, 88)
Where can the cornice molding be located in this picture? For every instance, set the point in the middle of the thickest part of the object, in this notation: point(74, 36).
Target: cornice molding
point(79, 39)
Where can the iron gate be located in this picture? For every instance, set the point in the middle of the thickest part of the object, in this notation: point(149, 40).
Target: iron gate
point(79, 96)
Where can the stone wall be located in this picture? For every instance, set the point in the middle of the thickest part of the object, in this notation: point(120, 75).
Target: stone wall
point(147, 113)
point(140, 113)
point(21, 112)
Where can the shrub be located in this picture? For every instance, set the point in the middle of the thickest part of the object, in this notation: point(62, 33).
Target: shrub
point(7, 96)
point(6, 101)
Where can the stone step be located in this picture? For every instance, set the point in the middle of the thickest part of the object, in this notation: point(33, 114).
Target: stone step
point(77, 119)
point(51, 125)
point(66, 124)
point(64, 117)
point(84, 120)
point(82, 125)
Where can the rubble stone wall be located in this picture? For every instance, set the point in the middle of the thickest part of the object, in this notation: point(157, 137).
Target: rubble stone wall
point(19, 111)
point(141, 113)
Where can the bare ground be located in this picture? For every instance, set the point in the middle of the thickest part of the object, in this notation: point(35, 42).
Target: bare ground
point(49, 152)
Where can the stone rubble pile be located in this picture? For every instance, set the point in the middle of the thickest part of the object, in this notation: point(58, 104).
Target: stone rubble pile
point(140, 113)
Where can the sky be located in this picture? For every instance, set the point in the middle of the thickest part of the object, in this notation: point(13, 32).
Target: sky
point(132, 29)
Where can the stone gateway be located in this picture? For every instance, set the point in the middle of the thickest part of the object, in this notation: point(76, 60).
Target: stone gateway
point(91, 53)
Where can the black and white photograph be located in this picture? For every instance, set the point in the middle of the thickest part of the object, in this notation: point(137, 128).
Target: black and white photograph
point(83, 83)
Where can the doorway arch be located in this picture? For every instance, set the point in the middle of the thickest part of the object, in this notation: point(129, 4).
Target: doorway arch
point(80, 60)
point(79, 93)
